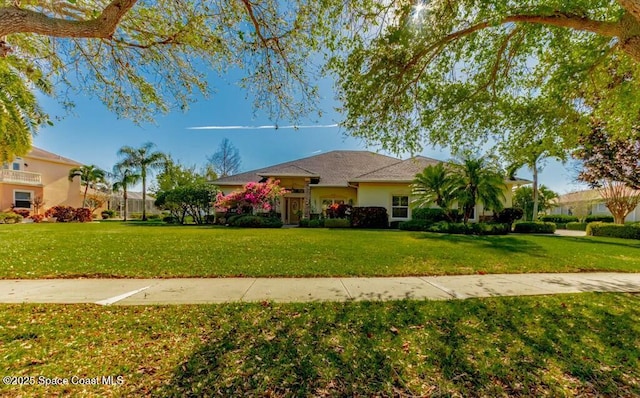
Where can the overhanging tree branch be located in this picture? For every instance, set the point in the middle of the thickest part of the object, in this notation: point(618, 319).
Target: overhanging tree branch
point(608, 29)
point(14, 19)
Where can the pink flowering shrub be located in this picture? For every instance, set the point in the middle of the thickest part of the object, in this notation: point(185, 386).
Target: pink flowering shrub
point(259, 196)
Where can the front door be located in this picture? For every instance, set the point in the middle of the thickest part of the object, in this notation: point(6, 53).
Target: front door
point(295, 207)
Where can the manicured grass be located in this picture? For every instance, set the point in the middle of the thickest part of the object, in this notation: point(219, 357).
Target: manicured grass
point(565, 345)
point(138, 250)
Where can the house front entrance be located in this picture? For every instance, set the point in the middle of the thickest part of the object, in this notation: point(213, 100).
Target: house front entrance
point(293, 210)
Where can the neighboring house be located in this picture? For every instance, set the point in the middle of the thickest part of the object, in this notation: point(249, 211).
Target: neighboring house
point(39, 176)
point(134, 203)
point(358, 178)
point(585, 203)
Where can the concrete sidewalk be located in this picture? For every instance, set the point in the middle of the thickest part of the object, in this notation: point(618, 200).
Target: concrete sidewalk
point(221, 290)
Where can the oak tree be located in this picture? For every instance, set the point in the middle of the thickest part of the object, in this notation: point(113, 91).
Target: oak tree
point(457, 73)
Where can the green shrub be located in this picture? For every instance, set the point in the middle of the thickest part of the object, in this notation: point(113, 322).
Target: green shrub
point(561, 225)
point(508, 215)
point(577, 226)
point(470, 229)
point(10, 218)
point(249, 221)
point(599, 217)
point(153, 216)
point(319, 223)
point(626, 231)
point(395, 224)
point(429, 214)
point(369, 217)
point(537, 227)
point(303, 223)
point(171, 220)
point(337, 223)
point(106, 214)
point(414, 225)
point(559, 218)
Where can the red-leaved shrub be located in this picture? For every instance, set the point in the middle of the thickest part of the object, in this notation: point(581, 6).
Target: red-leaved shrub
point(82, 214)
point(37, 217)
point(23, 212)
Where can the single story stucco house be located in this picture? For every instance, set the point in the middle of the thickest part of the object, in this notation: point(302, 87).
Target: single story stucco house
point(358, 178)
point(588, 202)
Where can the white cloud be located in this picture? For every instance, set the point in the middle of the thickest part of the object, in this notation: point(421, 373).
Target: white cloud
point(264, 127)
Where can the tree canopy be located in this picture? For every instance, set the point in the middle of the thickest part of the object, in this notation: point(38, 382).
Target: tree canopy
point(458, 73)
point(142, 57)
point(409, 72)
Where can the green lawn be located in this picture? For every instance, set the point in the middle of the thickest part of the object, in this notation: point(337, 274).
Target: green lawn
point(138, 250)
point(565, 345)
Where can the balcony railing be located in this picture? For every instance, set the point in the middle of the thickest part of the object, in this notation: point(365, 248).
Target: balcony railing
point(22, 177)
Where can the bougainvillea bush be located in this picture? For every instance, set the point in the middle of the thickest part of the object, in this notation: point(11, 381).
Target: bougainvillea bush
point(256, 196)
point(68, 214)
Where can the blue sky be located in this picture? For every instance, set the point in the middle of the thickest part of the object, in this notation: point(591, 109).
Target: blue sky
point(93, 135)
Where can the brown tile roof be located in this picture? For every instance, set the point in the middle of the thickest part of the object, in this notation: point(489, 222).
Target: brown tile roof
point(42, 154)
point(401, 171)
point(335, 168)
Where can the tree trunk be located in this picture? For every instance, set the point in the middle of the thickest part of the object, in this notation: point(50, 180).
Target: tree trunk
point(619, 218)
point(124, 195)
point(534, 215)
point(144, 195)
point(84, 198)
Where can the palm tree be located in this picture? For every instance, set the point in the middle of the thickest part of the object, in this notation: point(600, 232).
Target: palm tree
point(480, 183)
point(142, 160)
point(90, 176)
point(123, 178)
point(436, 185)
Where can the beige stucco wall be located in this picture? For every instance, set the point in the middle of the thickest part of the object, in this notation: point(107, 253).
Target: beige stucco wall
point(7, 193)
point(56, 189)
point(380, 194)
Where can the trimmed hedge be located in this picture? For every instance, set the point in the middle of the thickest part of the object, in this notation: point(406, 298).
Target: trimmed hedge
point(626, 231)
point(577, 226)
point(369, 217)
point(599, 217)
point(337, 223)
point(559, 218)
point(429, 214)
point(249, 221)
point(414, 225)
point(457, 228)
point(536, 227)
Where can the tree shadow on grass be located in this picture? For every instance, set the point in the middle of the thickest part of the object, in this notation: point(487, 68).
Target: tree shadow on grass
point(597, 240)
point(490, 347)
point(504, 244)
point(163, 224)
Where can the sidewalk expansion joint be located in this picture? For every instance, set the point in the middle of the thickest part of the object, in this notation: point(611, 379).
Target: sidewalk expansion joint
point(346, 290)
point(249, 288)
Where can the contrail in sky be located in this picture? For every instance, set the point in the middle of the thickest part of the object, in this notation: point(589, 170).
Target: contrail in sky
point(264, 127)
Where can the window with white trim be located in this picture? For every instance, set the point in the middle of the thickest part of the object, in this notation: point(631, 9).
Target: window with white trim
point(400, 206)
point(22, 199)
